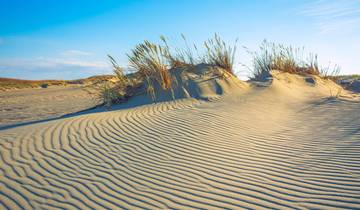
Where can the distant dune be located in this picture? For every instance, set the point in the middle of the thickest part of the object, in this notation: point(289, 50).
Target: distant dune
point(22, 101)
point(11, 84)
point(292, 142)
point(25, 105)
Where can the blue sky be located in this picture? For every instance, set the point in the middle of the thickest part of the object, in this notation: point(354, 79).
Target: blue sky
point(67, 39)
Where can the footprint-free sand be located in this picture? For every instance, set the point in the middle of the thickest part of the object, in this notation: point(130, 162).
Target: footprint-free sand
point(282, 145)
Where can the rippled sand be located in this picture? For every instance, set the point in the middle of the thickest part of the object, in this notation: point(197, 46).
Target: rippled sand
point(283, 146)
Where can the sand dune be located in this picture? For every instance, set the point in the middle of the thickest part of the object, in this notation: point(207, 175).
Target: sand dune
point(286, 145)
point(26, 105)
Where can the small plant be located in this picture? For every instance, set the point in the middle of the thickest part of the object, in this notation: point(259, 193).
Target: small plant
point(110, 94)
point(283, 58)
point(119, 72)
point(180, 57)
point(149, 60)
point(218, 53)
point(330, 73)
point(116, 91)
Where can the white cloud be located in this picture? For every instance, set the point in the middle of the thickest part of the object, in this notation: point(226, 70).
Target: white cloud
point(334, 15)
point(52, 68)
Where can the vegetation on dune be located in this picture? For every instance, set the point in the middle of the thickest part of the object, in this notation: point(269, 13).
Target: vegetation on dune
point(180, 57)
point(118, 90)
point(272, 56)
point(218, 53)
point(9, 83)
point(153, 63)
point(150, 61)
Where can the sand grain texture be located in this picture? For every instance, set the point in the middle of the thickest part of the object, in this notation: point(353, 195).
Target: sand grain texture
point(285, 146)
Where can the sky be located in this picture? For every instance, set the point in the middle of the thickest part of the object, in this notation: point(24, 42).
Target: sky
point(70, 39)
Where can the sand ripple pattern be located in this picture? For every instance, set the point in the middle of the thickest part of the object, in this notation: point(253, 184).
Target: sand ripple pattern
point(230, 153)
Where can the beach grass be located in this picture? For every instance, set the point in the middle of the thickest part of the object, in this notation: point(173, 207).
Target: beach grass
point(220, 54)
point(273, 56)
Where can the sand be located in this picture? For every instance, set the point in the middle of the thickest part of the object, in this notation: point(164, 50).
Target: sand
point(27, 105)
point(285, 144)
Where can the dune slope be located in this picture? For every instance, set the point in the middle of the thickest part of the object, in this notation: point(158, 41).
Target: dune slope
point(285, 146)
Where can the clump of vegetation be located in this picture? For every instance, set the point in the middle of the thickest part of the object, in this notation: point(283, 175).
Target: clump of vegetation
point(119, 90)
point(283, 58)
point(153, 62)
point(111, 94)
point(123, 80)
point(218, 53)
point(9, 83)
point(180, 57)
point(150, 61)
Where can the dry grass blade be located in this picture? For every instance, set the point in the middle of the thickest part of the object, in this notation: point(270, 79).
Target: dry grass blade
point(283, 58)
point(119, 72)
point(150, 61)
point(218, 53)
point(180, 57)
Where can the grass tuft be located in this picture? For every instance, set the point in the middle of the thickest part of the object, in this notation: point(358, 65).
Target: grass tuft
point(149, 60)
point(289, 59)
point(180, 57)
point(218, 53)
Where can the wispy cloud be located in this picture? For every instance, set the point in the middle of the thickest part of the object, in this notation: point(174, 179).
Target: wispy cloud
point(51, 68)
point(70, 53)
point(66, 64)
point(44, 62)
point(334, 15)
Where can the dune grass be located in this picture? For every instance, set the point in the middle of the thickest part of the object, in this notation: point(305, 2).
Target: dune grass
point(218, 53)
point(123, 80)
point(180, 57)
point(110, 94)
point(272, 56)
point(150, 61)
point(153, 62)
point(114, 92)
